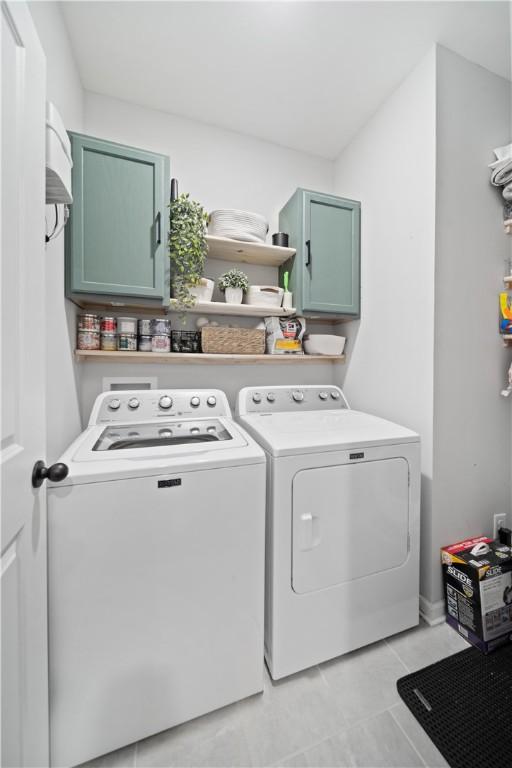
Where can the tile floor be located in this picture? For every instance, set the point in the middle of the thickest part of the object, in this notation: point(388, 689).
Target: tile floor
point(343, 713)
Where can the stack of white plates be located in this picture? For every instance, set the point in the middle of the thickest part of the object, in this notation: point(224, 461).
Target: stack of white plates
point(238, 225)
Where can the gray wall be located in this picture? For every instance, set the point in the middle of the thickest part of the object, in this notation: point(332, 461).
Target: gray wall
point(471, 420)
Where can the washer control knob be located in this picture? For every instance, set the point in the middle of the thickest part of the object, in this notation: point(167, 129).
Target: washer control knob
point(114, 404)
point(323, 395)
point(195, 401)
point(133, 403)
point(256, 398)
point(165, 402)
point(271, 397)
point(335, 395)
point(212, 401)
point(298, 396)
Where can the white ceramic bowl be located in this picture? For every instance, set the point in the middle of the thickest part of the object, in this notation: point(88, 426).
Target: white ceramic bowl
point(324, 344)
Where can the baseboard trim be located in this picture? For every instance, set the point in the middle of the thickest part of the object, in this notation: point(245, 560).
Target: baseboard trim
point(432, 613)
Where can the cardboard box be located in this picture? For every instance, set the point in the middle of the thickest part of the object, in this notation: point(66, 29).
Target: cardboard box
point(478, 592)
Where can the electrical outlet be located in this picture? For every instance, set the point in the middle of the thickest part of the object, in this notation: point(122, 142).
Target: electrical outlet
point(500, 521)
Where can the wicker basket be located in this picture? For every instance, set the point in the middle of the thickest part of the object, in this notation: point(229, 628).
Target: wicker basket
point(232, 341)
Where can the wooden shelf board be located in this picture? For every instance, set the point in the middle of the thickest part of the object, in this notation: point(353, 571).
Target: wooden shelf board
point(247, 253)
point(202, 359)
point(238, 310)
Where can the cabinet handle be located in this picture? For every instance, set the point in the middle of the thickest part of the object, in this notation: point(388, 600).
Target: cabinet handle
point(308, 259)
point(158, 228)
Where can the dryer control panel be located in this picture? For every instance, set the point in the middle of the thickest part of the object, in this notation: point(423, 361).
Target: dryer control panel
point(311, 397)
point(149, 404)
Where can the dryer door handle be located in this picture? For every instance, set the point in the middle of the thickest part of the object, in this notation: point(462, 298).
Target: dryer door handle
point(310, 531)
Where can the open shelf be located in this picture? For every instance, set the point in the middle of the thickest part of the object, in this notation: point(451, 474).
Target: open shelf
point(236, 310)
point(508, 280)
point(247, 253)
point(202, 359)
point(507, 339)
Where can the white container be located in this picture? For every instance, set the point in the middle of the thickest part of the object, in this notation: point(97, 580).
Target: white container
point(233, 295)
point(203, 291)
point(323, 344)
point(287, 300)
point(264, 295)
point(58, 158)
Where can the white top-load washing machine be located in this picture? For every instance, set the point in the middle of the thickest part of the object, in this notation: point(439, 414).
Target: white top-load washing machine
point(342, 542)
point(156, 570)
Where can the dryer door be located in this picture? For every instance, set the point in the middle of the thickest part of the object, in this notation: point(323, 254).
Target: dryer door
point(349, 521)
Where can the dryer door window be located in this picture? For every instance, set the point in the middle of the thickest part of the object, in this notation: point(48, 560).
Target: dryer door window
point(349, 521)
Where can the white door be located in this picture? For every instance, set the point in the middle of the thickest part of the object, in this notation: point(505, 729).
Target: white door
point(349, 521)
point(22, 328)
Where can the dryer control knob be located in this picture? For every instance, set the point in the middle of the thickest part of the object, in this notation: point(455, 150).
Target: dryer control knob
point(323, 395)
point(271, 397)
point(165, 402)
point(256, 398)
point(212, 400)
point(114, 404)
point(133, 403)
point(335, 395)
point(195, 401)
point(298, 396)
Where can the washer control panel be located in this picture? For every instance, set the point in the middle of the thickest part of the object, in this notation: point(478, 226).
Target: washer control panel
point(149, 404)
point(296, 399)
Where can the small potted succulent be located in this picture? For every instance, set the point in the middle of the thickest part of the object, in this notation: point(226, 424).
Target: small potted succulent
point(234, 284)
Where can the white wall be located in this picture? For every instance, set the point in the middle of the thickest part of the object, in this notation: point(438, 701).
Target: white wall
point(221, 169)
point(426, 352)
point(390, 167)
point(64, 89)
point(471, 421)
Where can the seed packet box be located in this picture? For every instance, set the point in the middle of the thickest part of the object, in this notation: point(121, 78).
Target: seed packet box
point(478, 592)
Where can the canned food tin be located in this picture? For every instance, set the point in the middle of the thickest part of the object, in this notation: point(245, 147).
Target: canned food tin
point(88, 323)
point(145, 326)
point(108, 324)
point(145, 343)
point(127, 325)
point(160, 343)
point(127, 342)
point(161, 326)
point(88, 339)
point(109, 342)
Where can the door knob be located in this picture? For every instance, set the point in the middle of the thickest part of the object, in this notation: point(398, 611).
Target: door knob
point(55, 473)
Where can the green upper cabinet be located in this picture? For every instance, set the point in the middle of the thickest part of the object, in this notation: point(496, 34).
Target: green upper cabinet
point(325, 272)
point(116, 239)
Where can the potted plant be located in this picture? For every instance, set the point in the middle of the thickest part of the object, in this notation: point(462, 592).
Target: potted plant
point(234, 284)
point(188, 250)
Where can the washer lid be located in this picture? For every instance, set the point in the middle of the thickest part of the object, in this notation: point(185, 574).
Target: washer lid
point(285, 434)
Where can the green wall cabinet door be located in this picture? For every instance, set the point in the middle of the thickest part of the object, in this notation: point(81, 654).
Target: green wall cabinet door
point(325, 272)
point(116, 239)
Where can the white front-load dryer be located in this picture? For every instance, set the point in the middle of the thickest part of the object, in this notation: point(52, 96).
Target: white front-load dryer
point(342, 541)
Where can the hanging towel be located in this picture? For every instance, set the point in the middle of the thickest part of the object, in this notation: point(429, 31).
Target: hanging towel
point(501, 172)
point(507, 192)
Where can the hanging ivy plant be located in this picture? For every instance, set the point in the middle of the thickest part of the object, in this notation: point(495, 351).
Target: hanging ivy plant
point(187, 247)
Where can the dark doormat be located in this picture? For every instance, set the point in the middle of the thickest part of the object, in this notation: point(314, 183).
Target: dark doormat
point(464, 703)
